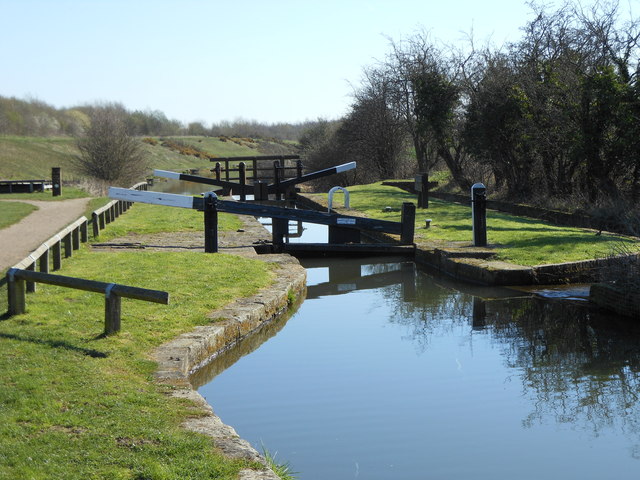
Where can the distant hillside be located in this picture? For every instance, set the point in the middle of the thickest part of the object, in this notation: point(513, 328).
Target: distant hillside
point(33, 157)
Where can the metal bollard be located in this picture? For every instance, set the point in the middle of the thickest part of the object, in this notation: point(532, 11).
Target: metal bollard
point(479, 214)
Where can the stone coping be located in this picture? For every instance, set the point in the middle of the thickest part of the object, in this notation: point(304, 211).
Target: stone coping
point(179, 358)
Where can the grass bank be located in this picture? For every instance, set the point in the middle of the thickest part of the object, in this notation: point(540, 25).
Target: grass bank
point(75, 404)
point(13, 212)
point(519, 240)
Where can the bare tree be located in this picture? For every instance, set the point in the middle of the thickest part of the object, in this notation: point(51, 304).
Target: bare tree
point(107, 151)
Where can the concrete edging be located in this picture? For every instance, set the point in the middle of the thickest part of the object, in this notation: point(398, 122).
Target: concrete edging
point(179, 358)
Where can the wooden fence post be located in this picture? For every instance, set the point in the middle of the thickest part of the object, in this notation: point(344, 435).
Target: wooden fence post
point(17, 295)
point(31, 286)
point(75, 238)
point(112, 310)
point(84, 234)
point(57, 254)
point(44, 260)
point(67, 245)
point(95, 222)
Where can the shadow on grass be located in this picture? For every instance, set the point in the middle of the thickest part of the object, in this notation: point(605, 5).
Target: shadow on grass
point(56, 344)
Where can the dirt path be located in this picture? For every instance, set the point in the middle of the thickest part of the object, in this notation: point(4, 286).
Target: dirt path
point(20, 239)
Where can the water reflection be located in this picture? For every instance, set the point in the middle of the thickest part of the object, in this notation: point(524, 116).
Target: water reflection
point(579, 366)
point(496, 383)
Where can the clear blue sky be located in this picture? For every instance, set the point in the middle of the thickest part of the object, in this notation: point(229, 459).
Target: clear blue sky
point(265, 60)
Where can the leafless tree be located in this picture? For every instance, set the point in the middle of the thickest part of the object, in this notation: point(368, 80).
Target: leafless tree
point(107, 151)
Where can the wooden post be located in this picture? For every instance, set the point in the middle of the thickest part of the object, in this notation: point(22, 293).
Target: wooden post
point(44, 261)
point(260, 191)
point(17, 296)
point(84, 234)
point(56, 249)
point(31, 286)
point(75, 237)
point(112, 310)
point(299, 168)
point(276, 178)
point(210, 223)
point(217, 170)
point(226, 169)
point(279, 228)
point(408, 220)
point(67, 245)
point(95, 222)
point(243, 180)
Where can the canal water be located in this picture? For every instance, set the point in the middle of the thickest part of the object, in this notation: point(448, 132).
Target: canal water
point(386, 372)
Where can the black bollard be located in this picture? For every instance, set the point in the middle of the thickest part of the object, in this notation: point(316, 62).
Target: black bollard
point(56, 181)
point(479, 214)
point(210, 223)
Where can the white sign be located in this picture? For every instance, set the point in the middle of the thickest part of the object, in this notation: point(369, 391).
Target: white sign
point(154, 198)
point(346, 221)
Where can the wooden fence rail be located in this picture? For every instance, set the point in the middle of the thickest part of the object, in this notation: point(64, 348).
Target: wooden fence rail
point(62, 244)
point(113, 292)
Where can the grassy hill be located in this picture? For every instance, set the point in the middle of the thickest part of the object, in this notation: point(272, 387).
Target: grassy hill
point(33, 157)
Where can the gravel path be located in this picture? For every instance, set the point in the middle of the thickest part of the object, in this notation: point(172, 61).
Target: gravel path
point(20, 239)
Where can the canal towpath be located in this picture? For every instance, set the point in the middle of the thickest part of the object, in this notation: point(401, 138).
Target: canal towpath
point(20, 239)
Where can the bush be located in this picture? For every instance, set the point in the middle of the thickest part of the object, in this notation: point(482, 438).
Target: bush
point(107, 151)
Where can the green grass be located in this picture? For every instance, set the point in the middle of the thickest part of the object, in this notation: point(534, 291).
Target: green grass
point(33, 157)
point(146, 219)
point(519, 240)
point(24, 158)
point(281, 469)
point(75, 404)
point(13, 212)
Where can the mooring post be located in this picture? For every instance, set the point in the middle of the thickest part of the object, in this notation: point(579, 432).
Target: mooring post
point(210, 223)
point(56, 181)
point(408, 220)
point(479, 214)
point(112, 310)
point(243, 180)
point(17, 293)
